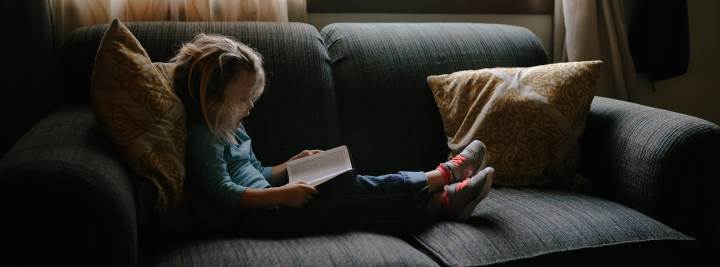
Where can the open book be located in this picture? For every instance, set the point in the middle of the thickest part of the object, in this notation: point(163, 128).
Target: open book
point(321, 167)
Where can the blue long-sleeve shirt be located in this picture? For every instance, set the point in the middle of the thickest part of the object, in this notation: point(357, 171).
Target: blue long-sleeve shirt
point(224, 170)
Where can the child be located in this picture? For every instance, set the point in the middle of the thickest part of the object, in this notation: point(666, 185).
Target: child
point(219, 79)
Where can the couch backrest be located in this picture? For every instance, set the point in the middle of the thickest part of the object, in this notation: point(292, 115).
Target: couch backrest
point(368, 81)
point(298, 109)
point(388, 115)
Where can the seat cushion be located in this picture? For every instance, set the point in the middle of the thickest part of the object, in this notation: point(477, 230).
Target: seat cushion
point(521, 223)
point(341, 249)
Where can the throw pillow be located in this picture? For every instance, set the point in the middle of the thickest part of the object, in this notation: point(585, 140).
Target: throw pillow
point(137, 107)
point(530, 119)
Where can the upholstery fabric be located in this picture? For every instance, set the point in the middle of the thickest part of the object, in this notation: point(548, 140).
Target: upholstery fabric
point(658, 162)
point(654, 161)
point(335, 249)
point(137, 107)
point(530, 119)
point(388, 115)
point(297, 110)
point(517, 223)
point(65, 156)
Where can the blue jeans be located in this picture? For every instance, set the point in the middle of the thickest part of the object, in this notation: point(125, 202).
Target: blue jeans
point(390, 200)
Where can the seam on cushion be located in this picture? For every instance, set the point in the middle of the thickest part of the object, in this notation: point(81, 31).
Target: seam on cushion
point(422, 246)
point(337, 55)
point(533, 255)
point(334, 41)
point(589, 247)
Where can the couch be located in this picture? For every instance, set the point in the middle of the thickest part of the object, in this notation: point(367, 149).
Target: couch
point(68, 197)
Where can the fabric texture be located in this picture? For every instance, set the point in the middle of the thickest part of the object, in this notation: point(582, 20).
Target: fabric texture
point(388, 115)
point(281, 126)
point(518, 223)
point(64, 162)
point(351, 248)
point(530, 119)
point(654, 161)
point(137, 107)
point(659, 162)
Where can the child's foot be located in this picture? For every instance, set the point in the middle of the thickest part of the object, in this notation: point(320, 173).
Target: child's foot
point(460, 199)
point(465, 164)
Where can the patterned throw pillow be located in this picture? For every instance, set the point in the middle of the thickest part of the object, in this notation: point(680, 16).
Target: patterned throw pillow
point(530, 119)
point(136, 106)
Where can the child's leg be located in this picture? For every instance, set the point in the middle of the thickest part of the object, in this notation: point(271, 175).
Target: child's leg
point(458, 200)
point(399, 199)
point(393, 200)
point(360, 200)
point(436, 181)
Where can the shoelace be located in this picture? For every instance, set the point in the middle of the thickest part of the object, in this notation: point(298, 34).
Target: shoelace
point(445, 196)
point(445, 171)
point(458, 160)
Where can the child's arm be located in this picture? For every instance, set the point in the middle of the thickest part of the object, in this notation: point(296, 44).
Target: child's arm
point(226, 193)
point(293, 195)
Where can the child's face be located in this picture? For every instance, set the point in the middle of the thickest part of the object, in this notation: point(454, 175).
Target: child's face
point(241, 91)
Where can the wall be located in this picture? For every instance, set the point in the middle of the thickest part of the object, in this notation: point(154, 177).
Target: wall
point(696, 93)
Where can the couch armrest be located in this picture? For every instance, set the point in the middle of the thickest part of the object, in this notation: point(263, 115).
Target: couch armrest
point(67, 196)
point(659, 162)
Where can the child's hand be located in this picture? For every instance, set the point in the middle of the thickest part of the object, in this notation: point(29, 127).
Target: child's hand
point(305, 153)
point(297, 194)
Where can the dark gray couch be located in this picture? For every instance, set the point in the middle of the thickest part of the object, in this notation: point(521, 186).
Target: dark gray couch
point(68, 197)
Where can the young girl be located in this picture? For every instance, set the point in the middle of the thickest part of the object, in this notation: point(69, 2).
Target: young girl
point(219, 79)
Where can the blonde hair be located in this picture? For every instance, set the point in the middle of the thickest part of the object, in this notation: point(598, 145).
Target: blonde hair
point(204, 67)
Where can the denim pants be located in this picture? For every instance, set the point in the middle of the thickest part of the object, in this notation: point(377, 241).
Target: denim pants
point(391, 200)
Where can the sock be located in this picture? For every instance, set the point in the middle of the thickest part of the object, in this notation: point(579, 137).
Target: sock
point(465, 164)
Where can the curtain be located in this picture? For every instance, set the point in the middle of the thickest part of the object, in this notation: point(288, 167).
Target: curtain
point(595, 29)
point(67, 15)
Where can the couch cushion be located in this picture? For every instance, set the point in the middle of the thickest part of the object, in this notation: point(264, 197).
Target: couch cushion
point(342, 249)
point(388, 115)
point(521, 223)
point(530, 119)
point(296, 63)
point(138, 110)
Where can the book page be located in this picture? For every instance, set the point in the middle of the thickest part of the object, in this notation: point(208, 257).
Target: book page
point(318, 168)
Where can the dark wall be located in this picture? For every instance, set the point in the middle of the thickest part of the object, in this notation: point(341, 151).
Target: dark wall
point(30, 85)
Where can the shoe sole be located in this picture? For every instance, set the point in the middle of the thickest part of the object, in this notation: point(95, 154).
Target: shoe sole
point(470, 207)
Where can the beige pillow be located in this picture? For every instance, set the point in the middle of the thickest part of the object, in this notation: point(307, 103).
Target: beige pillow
point(136, 106)
point(530, 119)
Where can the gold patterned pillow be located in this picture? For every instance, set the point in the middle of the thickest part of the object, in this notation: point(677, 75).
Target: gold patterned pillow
point(136, 106)
point(530, 119)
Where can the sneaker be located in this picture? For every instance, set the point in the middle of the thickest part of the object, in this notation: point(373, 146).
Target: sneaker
point(461, 198)
point(465, 164)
